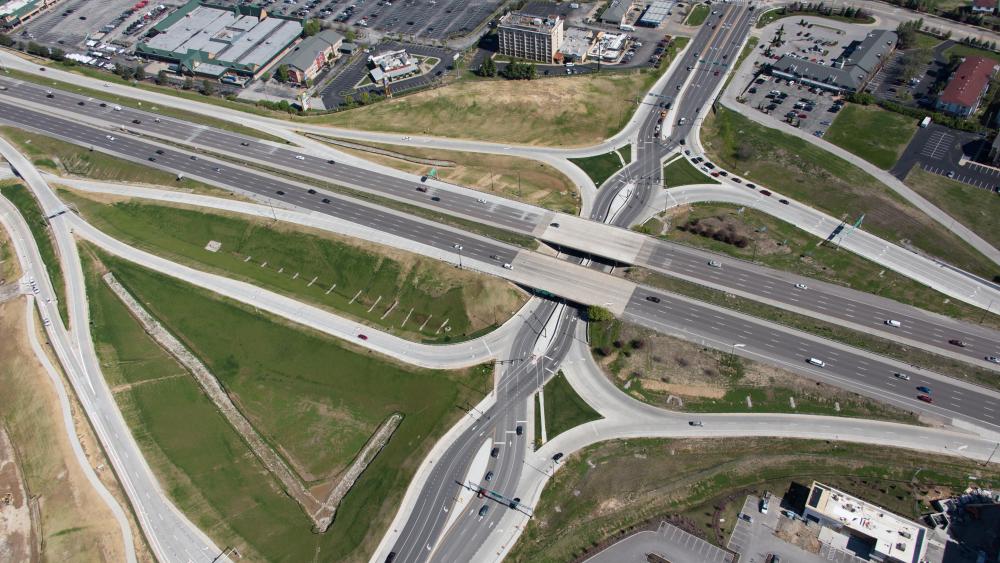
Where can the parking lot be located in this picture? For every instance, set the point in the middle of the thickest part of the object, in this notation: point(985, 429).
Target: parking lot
point(424, 19)
point(669, 542)
point(754, 538)
point(949, 152)
point(808, 109)
point(347, 77)
point(70, 23)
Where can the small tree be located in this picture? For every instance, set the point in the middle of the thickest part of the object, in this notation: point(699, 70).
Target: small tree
point(6, 41)
point(281, 75)
point(188, 83)
point(599, 314)
point(311, 27)
point(488, 68)
point(366, 98)
point(161, 77)
point(140, 73)
point(207, 87)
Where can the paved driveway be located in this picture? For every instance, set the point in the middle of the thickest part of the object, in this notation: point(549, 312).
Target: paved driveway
point(343, 84)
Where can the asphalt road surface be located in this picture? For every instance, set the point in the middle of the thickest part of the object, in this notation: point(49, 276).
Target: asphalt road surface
point(518, 382)
point(823, 299)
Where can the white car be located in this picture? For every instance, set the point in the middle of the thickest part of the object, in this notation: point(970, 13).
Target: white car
point(893, 323)
point(299, 157)
point(817, 362)
point(714, 264)
point(902, 376)
point(118, 108)
point(109, 137)
point(457, 246)
point(481, 200)
point(993, 359)
point(508, 267)
point(801, 286)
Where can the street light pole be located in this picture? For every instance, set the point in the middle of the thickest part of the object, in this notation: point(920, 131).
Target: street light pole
point(983, 317)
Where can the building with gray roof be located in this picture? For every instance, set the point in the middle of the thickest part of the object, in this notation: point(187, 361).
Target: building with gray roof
point(616, 11)
point(848, 73)
point(655, 13)
point(307, 58)
point(238, 42)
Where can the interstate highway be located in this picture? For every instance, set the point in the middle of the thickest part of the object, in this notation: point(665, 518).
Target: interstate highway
point(825, 300)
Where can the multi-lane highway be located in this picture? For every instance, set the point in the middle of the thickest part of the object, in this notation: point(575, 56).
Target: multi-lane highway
point(824, 300)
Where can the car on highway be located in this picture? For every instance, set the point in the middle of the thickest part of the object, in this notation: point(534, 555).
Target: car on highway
point(159, 151)
point(312, 191)
point(331, 162)
point(326, 200)
point(495, 452)
point(49, 94)
point(695, 423)
point(244, 144)
point(903, 376)
point(957, 342)
point(714, 263)
point(217, 169)
point(299, 157)
point(423, 178)
point(152, 159)
point(483, 511)
point(557, 457)
point(893, 323)
point(993, 359)
point(765, 192)
point(422, 189)
point(652, 299)
point(137, 122)
point(924, 389)
point(737, 180)
point(783, 201)
point(457, 246)
point(554, 225)
point(109, 137)
point(752, 186)
point(925, 398)
point(481, 200)
point(514, 503)
point(507, 266)
point(81, 103)
point(519, 430)
point(488, 476)
point(817, 362)
point(280, 192)
point(435, 198)
point(363, 336)
point(801, 286)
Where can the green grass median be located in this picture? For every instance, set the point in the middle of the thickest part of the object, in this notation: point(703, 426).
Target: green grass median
point(315, 398)
point(564, 408)
point(604, 166)
point(876, 135)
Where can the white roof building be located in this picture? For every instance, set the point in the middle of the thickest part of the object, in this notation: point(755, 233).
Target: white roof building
point(891, 538)
point(392, 65)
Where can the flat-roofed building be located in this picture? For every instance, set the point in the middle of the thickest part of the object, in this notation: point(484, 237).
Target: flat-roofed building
point(238, 42)
point(889, 537)
point(576, 43)
point(392, 66)
point(529, 37)
point(655, 13)
point(15, 12)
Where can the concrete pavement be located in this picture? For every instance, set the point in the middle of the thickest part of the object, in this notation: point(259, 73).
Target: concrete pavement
point(171, 536)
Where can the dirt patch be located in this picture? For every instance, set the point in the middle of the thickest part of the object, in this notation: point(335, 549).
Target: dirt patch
point(706, 391)
point(63, 497)
point(17, 542)
point(797, 533)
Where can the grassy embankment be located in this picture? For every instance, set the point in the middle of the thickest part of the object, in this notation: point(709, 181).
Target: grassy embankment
point(564, 408)
point(679, 375)
point(315, 398)
point(575, 111)
point(698, 15)
point(21, 197)
point(801, 170)
point(783, 246)
point(681, 172)
point(604, 166)
point(515, 178)
point(974, 207)
point(394, 290)
point(615, 486)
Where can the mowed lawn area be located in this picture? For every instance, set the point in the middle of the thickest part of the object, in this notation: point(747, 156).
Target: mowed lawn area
point(516, 178)
point(698, 15)
point(604, 166)
point(976, 208)
point(317, 399)
point(876, 135)
point(784, 246)
point(681, 172)
point(794, 167)
point(403, 293)
point(561, 112)
point(616, 485)
point(564, 408)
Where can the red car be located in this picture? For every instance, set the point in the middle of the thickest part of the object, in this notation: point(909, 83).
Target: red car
point(716, 73)
point(765, 192)
point(363, 336)
point(925, 398)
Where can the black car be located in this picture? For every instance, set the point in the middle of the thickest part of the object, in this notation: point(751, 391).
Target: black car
point(557, 457)
point(325, 200)
point(159, 151)
point(785, 201)
point(104, 104)
point(136, 121)
point(279, 192)
point(519, 430)
point(495, 452)
point(244, 143)
point(152, 159)
point(652, 299)
point(330, 162)
point(435, 198)
point(312, 191)
point(81, 103)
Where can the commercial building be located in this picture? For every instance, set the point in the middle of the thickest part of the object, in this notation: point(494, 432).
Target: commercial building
point(983, 6)
point(849, 73)
point(886, 536)
point(232, 43)
point(966, 87)
point(392, 66)
point(529, 37)
point(307, 58)
point(608, 47)
point(576, 44)
point(655, 13)
point(616, 11)
point(15, 12)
